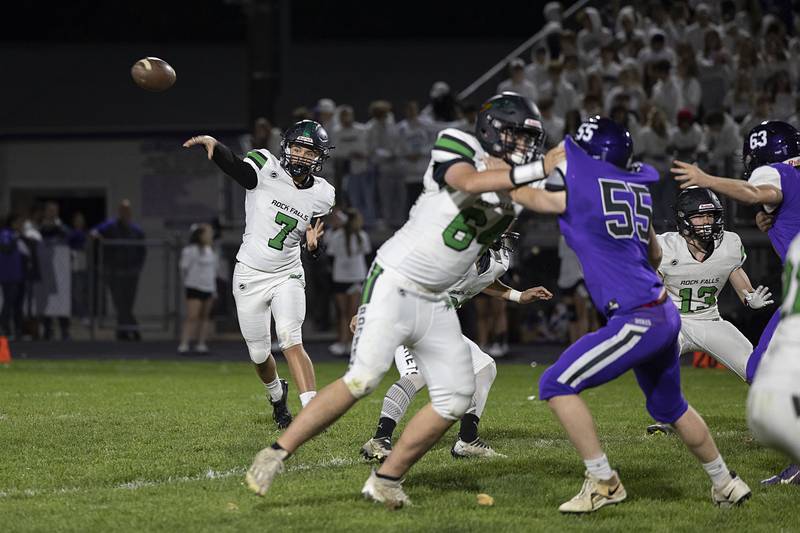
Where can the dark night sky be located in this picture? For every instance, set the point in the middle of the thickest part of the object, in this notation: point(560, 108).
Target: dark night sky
point(183, 21)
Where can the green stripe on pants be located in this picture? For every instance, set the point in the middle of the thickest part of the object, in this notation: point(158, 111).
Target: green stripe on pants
point(370, 283)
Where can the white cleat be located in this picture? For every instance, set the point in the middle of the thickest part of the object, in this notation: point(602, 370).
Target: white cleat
point(267, 464)
point(377, 449)
point(734, 493)
point(476, 448)
point(594, 494)
point(388, 492)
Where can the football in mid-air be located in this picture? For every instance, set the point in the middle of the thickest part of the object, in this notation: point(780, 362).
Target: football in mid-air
point(153, 74)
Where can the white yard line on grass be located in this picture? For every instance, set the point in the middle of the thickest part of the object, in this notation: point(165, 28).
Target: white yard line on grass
point(147, 483)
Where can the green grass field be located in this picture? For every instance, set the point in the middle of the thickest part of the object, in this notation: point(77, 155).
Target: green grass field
point(132, 446)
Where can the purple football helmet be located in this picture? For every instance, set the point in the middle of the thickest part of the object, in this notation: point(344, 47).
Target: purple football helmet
point(772, 141)
point(604, 139)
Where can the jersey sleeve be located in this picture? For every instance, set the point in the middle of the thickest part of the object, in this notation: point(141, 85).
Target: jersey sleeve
point(258, 159)
point(326, 200)
point(666, 252)
point(737, 251)
point(452, 146)
point(766, 175)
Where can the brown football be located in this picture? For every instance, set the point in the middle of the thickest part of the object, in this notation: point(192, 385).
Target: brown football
point(153, 74)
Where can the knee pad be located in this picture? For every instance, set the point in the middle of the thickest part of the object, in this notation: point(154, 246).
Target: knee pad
point(289, 334)
point(259, 350)
point(452, 406)
point(361, 380)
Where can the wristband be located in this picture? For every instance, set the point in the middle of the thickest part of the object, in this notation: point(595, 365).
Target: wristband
point(522, 174)
point(514, 296)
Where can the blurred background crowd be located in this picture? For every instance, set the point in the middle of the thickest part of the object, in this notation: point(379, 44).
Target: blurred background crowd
point(687, 78)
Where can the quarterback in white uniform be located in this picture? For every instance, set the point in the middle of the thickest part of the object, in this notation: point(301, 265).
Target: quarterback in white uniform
point(697, 262)
point(452, 223)
point(283, 199)
point(773, 405)
point(484, 277)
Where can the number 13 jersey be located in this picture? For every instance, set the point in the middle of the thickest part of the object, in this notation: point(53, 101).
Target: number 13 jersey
point(695, 286)
point(277, 214)
point(447, 229)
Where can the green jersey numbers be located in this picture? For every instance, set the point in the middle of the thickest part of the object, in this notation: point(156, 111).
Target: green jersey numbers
point(469, 224)
point(791, 284)
point(288, 223)
point(706, 297)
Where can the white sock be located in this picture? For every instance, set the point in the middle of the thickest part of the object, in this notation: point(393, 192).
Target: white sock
point(306, 397)
point(718, 471)
point(599, 467)
point(275, 389)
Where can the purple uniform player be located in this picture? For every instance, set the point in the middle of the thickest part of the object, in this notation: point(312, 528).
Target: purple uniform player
point(605, 211)
point(771, 155)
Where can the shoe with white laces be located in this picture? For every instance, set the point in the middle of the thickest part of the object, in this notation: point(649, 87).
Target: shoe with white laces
point(201, 349)
point(735, 492)
point(476, 448)
point(377, 449)
point(386, 491)
point(338, 348)
point(495, 350)
point(594, 494)
point(267, 464)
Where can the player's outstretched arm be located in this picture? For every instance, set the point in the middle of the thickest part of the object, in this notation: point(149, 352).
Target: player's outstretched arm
point(499, 175)
point(690, 175)
point(244, 174)
point(752, 298)
point(654, 251)
point(541, 201)
point(500, 290)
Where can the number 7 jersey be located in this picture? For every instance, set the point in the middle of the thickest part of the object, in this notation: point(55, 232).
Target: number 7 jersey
point(447, 229)
point(277, 214)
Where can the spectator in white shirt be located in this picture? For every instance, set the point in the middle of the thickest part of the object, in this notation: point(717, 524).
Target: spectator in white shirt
point(593, 35)
point(686, 141)
point(688, 84)
point(536, 71)
point(348, 245)
point(724, 144)
point(656, 52)
point(696, 32)
point(761, 112)
point(739, 101)
point(608, 68)
point(350, 158)
point(651, 148)
point(715, 73)
point(552, 123)
point(382, 149)
point(630, 86)
point(666, 94)
point(573, 73)
point(326, 113)
point(414, 143)
point(198, 264)
point(517, 83)
point(562, 93)
point(625, 28)
point(780, 90)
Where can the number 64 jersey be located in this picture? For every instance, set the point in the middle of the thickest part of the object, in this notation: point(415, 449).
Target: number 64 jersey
point(447, 229)
point(277, 214)
point(694, 286)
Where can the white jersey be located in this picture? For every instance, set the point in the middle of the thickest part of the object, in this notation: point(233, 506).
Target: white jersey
point(788, 330)
point(694, 286)
point(277, 213)
point(479, 276)
point(448, 229)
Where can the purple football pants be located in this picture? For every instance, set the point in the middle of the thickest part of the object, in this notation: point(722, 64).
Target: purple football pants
point(644, 340)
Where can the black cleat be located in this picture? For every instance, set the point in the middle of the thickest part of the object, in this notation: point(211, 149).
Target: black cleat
point(280, 412)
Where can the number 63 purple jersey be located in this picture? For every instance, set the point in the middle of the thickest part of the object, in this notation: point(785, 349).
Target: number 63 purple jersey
point(607, 223)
